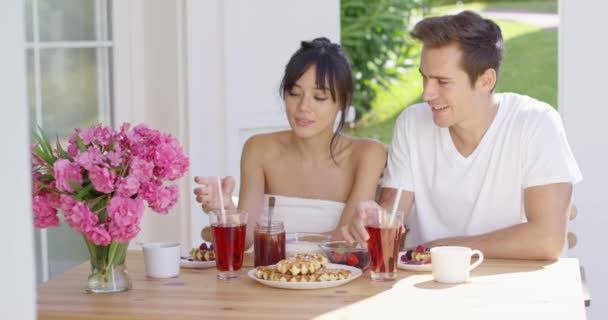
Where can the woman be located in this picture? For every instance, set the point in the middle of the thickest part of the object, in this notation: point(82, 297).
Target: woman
point(317, 175)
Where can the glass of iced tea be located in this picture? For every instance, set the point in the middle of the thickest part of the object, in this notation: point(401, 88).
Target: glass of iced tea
point(228, 230)
point(268, 242)
point(383, 243)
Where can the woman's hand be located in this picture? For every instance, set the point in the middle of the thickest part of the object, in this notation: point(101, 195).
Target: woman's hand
point(355, 230)
point(208, 194)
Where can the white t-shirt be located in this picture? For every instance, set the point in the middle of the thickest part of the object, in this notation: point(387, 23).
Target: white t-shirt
point(454, 195)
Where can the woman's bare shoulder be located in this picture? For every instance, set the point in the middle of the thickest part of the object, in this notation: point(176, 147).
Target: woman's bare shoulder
point(363, 146)
point(265, 144)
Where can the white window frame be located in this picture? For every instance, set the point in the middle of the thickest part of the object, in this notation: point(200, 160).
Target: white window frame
point(127, 74)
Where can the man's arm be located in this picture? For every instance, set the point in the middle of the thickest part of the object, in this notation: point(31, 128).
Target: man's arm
point(540, 238)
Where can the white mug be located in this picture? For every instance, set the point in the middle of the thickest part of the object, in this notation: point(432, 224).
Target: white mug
point(161, 259)
point(452, 264)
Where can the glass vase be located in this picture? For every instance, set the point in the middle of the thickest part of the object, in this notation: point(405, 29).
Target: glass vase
point(108, 268)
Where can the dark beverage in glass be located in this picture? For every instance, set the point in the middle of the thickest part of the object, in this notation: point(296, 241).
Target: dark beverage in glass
point(228, 232)
point(269, 243)
point(383, 247)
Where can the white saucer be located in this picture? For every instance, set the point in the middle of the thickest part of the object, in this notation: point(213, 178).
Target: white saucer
point(185, 263)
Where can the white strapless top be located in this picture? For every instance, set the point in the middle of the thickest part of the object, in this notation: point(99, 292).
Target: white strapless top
point(306, 215)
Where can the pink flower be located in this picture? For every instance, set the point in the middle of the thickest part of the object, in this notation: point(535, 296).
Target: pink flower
point(128, 165)
point(66, 203)
point(53, 198)
point(79, 217)
point(65, 171)
point(161, 199)
point(86, 135)
point(99, 236)
point(125, 211)
point(141, 170)
point(123, 233)
point(45, 215)
point(102, 179)
point(103, 135)
point(115, 157)
point(170, 160)
point(127, 186)
point(97, 135)
point(89, 158)
point(72, 146)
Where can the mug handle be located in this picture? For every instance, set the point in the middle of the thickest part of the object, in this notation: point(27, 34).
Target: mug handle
point(479, 261)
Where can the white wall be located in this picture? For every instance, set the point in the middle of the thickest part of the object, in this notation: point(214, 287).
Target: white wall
point(165, 106)
point(17, 297)
point(583, 68)
point(237, 51)
point(150, 87)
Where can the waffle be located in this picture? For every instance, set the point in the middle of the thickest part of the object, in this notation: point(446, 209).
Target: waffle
point(321, 275)
point(421, 257)
point(301, 264)
point(202, 255)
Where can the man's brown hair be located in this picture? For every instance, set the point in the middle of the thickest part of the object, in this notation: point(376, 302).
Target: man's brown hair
point(479, 39)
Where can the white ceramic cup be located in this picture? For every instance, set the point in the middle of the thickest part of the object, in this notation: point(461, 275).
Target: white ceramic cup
point(161, 259)
point(452, 264)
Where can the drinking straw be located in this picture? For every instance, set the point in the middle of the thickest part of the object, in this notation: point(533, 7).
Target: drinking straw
point(270, 209)
point(395, 206)
point(219, 186)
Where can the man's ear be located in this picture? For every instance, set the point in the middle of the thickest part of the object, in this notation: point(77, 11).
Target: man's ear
point(487, 80)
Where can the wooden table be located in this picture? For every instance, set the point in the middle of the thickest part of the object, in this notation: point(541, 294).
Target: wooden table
point(499, 289)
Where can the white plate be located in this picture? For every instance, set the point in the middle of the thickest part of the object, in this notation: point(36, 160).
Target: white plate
point(414, 267)
point(185, 263)
point(355, 273)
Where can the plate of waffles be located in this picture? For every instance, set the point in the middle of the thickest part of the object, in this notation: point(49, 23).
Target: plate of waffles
point(418, 260)
point(199, 259)
point(304, 271)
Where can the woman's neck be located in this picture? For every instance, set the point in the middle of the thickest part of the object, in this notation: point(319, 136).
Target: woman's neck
point(314, 150)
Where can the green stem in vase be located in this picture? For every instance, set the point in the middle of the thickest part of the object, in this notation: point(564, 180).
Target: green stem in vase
point(111, 254)
point(105, 258)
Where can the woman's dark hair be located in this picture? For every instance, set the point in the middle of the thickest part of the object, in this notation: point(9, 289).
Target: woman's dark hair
point(479, 39)
point(332, 68)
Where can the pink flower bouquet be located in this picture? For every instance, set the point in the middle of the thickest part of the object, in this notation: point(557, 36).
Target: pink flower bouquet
point(100, 184)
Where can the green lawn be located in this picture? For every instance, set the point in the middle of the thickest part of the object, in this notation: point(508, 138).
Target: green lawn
point(529, 67)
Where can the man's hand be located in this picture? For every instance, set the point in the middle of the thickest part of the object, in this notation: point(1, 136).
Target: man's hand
point(208, 193)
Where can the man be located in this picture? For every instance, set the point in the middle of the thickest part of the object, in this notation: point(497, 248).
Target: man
point(488, 171)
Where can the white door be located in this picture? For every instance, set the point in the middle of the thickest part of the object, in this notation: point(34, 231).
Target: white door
point(237, 52)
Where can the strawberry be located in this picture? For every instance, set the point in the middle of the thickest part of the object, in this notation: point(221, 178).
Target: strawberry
point(419, 248)
point(352, 260)
point(203, 246)
point(337, 257)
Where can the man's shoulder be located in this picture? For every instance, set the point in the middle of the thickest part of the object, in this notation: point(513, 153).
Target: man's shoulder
point(524, 105)
point(528, 112)
point(416, 114)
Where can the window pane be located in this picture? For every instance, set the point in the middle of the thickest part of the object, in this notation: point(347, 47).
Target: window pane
point(75, 89)
point(29, 21)
point(74, 20)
